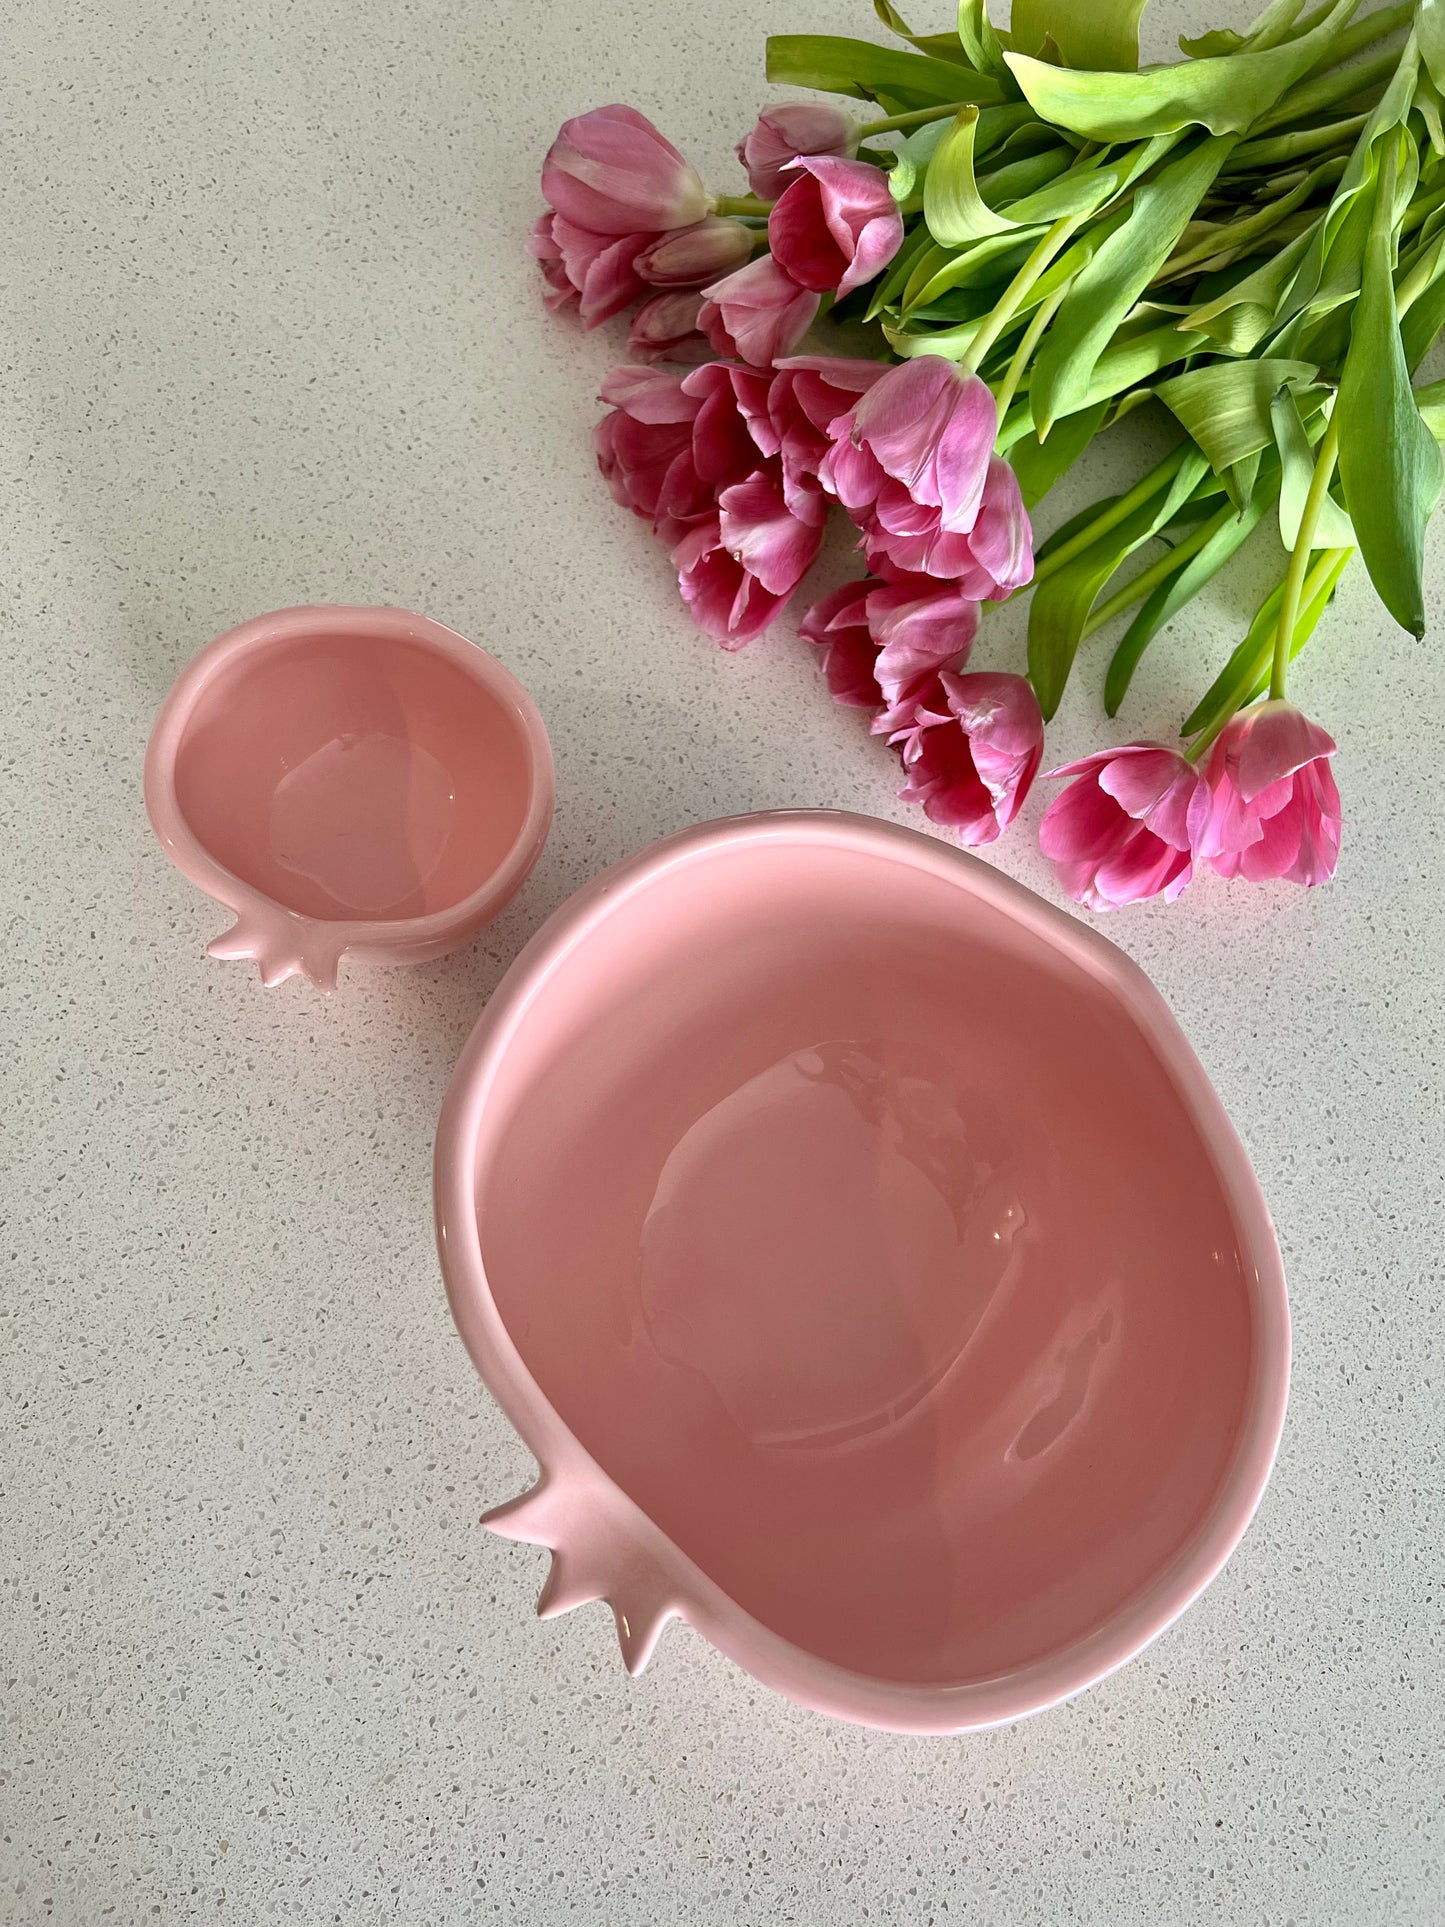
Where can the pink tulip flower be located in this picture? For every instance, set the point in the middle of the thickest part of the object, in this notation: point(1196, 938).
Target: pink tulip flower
point(546, 251)
point(928, 426)
point(672, 442)
point(883, 645)
point(737, 569)
point(913, 464)
point(809, 392)
point(922, 628)
point(1274, 804)
point(988, 564)
point(665, 328)
point(757, 313)
point(1126, 827)
point(972, 766)
point(837, 226)
point(785, 132)
point(645, 449)
point(732, 427)
point(689, 256)
point(837, 627)
point(612, 173)
point(593, 270)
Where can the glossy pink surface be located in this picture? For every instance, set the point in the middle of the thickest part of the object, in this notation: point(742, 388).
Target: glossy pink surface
point(861, 1251)
point(349, 780)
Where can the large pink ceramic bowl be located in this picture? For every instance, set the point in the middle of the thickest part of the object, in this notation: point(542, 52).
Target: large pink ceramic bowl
point(357, 781)
point(859, 1247)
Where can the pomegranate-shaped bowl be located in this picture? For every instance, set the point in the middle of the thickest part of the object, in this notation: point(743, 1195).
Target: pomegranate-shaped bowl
point(860, 1249)
point(357, 781)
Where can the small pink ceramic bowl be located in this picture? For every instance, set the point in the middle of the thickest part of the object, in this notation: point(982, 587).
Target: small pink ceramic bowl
point(357, 781)
point(858, 1246)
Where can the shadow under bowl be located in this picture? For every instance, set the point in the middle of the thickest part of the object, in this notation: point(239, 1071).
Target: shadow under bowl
point(861, 1250)
point(349, 780)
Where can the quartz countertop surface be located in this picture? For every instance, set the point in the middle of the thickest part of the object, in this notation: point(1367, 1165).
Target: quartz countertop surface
point(268, 336)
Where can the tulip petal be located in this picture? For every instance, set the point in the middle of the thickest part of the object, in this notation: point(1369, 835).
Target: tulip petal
point(1081, 825)
point(758, 313)
point(760, 532)
point(686, 257)
point(1155, 786)
point(1001, 538)
point(648, 394)
point(1278, 741)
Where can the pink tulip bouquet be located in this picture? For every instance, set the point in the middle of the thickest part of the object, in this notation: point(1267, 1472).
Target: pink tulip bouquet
point(1041, 237)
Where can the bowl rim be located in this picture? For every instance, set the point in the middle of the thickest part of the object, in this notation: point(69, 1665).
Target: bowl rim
point(575, 1499)
point(437, 928)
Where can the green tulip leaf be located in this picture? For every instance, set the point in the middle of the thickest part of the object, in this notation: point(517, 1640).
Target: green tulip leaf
point(1241, 317)
point(1127, 363)
point(996, 129)
point(1075, 525)
point(834, 65)
point(911, 158)
point(1331, 270)
point(1390, 464)
point(1039, 465)
point(1239, 479)
point(1213, 45)
point(1430, 33)
point(1225, 405)
point(992, 261)
point(981, 42)
point(1220, 242)
point(1107, 288)
point(945, 46)
point(1101, 35)
point(1249, 666)
point(1334, 529)
point(1429, 107)
point(1224, 93)
point(1227, 530)
point(1431, 403)
point(1423, 322)
point(1036, 190)
point(915, 250)
point(1064, 600)
point(892, 19)
point(1273, 25)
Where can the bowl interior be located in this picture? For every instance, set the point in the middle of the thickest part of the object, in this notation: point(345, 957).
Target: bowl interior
point(354, 776)
point(865, 1242)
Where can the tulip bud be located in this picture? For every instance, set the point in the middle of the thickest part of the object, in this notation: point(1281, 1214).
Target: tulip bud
point(787, 131)
point(688, 256)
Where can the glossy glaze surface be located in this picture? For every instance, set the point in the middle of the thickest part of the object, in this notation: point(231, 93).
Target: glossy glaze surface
point(869, 1243)
point(349, 779)
point(354, 776)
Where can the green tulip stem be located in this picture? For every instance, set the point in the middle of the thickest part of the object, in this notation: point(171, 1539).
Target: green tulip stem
point(740, 205)
point(1033, 334)
point(1148, 580)
point(920, 117)
point(1143, 491)
point(1019, 290)
point(1299, 561)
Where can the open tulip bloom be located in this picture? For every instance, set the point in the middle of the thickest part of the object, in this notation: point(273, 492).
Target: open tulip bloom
point(1030, 238)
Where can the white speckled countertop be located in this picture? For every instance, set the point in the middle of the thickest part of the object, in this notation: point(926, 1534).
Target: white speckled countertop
point(267, 335)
